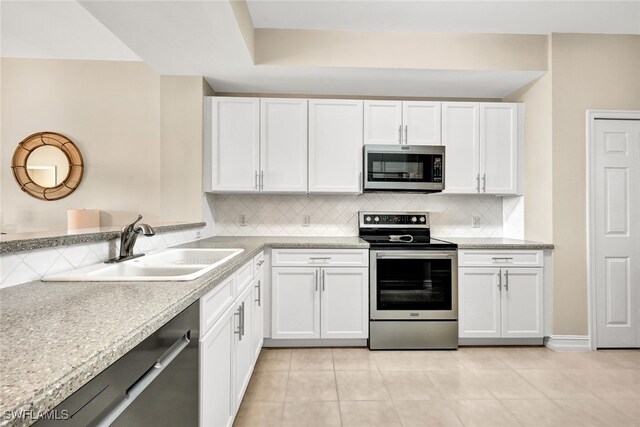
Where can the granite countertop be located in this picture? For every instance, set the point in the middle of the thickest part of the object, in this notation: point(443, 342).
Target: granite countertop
point(495, 243)
point(17, 242)
point(56, 336)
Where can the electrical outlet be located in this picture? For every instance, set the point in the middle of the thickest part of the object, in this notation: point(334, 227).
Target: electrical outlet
point(306, 220)
point(242, 220)
point(198, 234)
point(475, 222)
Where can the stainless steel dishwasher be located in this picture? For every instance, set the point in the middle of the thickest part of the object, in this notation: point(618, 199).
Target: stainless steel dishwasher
point(155, 384)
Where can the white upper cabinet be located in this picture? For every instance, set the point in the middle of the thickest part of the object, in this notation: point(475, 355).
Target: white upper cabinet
point(402, 122)
point(235, 143)
point(283, 145)
point(484, 147)
point(335, 146)
point(499, 148)
point(460, 124)
point(383, 122)
point(421, 122)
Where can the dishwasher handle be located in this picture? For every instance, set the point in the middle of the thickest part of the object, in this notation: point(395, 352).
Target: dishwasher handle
point(132, 393)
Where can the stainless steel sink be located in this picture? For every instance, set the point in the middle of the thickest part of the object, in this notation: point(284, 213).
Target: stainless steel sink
point(165, 265)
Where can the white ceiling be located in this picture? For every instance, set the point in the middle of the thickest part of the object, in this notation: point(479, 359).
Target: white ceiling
point(57, 29)
point(479, 16)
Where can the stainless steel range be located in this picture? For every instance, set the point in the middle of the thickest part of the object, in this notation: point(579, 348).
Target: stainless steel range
point(413, 283)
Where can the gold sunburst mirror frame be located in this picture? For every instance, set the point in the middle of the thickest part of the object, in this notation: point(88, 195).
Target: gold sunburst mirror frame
point(51, 139)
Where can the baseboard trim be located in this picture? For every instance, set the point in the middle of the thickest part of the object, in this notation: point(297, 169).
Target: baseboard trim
point(568, 343)
point(346, 342)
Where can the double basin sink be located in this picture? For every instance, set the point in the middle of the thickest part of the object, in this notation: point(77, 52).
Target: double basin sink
point(165, 265)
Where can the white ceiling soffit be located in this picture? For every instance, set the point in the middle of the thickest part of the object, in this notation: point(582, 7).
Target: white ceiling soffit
point(480, 16)
point(203, 38)
point(57, 30)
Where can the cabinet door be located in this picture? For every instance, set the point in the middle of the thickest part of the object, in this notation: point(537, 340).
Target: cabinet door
point(295, 302)
point(479, 300)
point(235, 144)
point(283, 145)
point(217, 406)
point(522, 303)
point(243, 354)
point(335, 146)
point(345, 302)
point(499, 148)
point(383, 122)
point(460, 132)
point(421, 122)
point(257, 316)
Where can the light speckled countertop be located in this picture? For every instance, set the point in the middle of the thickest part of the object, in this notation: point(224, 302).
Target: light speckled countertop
point(56, 336)
point(495, 243)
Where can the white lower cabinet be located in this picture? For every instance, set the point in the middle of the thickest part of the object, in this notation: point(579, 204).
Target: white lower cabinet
point(320, 302)
point(217, 407)
point(242, 345)
point(500, 302)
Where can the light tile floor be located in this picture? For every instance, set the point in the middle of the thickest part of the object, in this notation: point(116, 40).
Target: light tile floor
point(502, 386)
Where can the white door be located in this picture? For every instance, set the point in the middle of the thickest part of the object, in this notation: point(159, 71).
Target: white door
point(383, 122)
point(283, 145)
point(479, 302)
point(335, 146)
point(235, 144)
point(257, 316)
point(499, 148)
point(295, 302)
point(243, 355)
point(345, 302)
point(617, 232)
point(460, 136)
point(421, 122)
point(522, 302)
point(216, 368)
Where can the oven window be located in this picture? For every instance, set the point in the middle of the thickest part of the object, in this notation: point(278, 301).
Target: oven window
point(414, 284)
point(404, 167)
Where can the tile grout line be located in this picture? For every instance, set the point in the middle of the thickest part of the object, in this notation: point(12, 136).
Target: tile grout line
point(335, 378)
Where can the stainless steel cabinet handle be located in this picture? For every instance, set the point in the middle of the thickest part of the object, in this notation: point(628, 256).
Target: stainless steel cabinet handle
point(315, 278)
point(484, 182)
point(314, 258)
point(500, 280)
point(324, 277)
point(406, 134)
point(262, 180)
point(255, 178)
point(478, 183)
point(506, 283)
point(243, 323)
point(400, 134)
point(259, 300)
point(239, 331)
point(505, 258)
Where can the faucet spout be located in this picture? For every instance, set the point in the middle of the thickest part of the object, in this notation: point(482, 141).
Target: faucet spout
point(128, 239)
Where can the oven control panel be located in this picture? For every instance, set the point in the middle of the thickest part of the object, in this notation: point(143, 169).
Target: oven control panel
point(394, 219)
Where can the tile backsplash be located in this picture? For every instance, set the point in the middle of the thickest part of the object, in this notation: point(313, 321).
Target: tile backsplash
point(275, 215)
point(21, 267)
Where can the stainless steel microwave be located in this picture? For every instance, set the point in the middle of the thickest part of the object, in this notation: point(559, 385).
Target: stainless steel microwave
point(414, 168)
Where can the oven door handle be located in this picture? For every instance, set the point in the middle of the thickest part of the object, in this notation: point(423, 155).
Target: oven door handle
point(415, 255)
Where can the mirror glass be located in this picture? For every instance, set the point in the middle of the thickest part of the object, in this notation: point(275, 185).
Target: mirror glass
point(48, 166)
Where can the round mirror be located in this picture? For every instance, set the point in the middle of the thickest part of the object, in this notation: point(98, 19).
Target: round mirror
point(47, 166)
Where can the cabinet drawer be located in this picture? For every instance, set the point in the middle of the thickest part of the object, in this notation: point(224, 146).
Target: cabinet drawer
point(320, 257)
point(258, 263)
point(504, 258)
point(215, 302)
point(244, 275)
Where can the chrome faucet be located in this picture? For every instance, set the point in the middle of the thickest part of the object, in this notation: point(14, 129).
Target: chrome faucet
point(128, 239)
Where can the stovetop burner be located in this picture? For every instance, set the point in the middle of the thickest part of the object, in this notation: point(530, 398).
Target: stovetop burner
point(399, 230)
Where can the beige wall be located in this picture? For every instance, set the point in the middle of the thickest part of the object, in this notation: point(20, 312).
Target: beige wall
point(387, 49)
point(588, 72)
point(140, 135)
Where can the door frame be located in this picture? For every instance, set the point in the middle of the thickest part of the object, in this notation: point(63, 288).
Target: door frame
point(592, 116)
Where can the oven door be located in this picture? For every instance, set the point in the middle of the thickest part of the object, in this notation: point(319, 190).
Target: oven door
point(413, 285)
point(403, 168)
